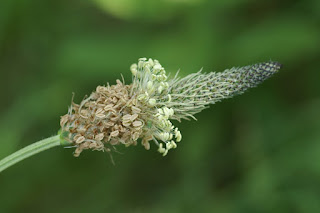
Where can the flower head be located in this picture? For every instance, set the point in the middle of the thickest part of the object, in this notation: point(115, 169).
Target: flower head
point(122, 114)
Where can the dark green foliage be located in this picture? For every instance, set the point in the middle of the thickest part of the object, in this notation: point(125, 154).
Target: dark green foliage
point(258, 152)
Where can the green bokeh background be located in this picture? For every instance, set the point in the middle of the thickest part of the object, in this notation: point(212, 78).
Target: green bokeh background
point(259, 152)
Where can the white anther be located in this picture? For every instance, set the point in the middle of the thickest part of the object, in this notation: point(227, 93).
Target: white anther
point(135, 136)
point(143, 97)
point(140, 64)
point(133, 117)
point(160, 89)
point(137, 123)
point(164, 136)
point(161, 118)
point(100, 113)
point(171, 111)
point(80, 139)
point(160, 78)
point(149, 85)
point(114, 133)
point(168, 145)
point(134, 72)
point(161, 149)
point(151, 62)
point(153, 77)
point(173, 144)
point(157, 67)
point(133, 69)
point(126, 117)
point(160, 111)
point(146, 144)
point(99, 136)
point(178, 136)
point(108, 107)
point(167, 112)
point(147, 69)
point(135, 109)
point(152, 101)
point(126, 123)
point(165, 152)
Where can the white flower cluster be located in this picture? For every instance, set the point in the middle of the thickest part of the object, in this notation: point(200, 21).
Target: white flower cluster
point(150, 83)
point(149, 80)
point(166, 130)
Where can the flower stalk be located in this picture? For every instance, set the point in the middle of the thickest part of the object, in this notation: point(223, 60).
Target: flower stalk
point(124, 114)
point(28, 151)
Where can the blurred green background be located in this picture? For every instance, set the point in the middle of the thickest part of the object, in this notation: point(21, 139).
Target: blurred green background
point(259, 152)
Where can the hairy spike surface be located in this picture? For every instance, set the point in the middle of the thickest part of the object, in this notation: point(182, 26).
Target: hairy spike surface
point(194, 92)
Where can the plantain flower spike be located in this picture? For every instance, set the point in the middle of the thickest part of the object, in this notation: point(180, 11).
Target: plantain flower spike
point(122, 114)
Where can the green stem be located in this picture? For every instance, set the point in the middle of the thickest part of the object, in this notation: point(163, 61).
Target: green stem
point(28, 151)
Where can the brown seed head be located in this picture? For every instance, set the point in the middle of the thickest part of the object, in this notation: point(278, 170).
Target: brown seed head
point(110, 116)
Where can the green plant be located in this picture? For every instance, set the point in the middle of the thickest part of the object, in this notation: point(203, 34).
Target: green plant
point(122, 114)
